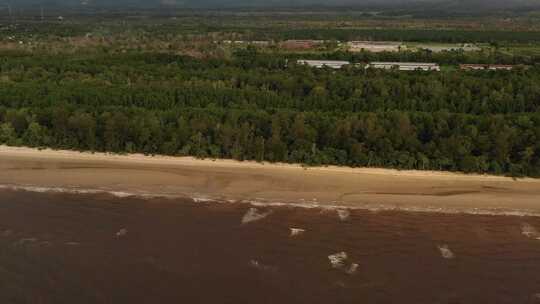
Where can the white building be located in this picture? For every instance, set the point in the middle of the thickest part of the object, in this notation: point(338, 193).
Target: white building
point(405, 66)
point(334, 64)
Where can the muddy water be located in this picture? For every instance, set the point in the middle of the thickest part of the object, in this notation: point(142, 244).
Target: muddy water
point(75, 248)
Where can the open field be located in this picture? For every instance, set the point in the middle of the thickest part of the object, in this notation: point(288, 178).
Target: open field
point(346, 25)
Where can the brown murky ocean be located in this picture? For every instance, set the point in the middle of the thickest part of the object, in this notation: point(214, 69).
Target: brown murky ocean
point(97, 248)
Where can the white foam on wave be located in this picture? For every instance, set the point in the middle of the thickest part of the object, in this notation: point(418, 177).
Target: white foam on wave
point(39, 189)
point(76, 190)
point(337, 260)
point(343, 214)
point(446, 253)
point(352, 268)
point(204, 200)
point(121, 194)
point(296, 231)
point(253, 215)
point(529, 231)
point(335, 205)
point(341, 261)
point(260, 266)
point(122, 232)
point(299, 204)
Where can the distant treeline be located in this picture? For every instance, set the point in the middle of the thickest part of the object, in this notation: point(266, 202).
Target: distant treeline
point(254, 106)
point(256, 30)
point(417, 35)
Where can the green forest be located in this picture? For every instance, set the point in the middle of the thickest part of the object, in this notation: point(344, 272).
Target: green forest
point(258, 106)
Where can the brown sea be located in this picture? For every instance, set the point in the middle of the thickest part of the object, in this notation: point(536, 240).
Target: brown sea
point(100, 248)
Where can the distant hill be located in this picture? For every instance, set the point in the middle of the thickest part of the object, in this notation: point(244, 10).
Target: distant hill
point(452, 5)
point(481, 4)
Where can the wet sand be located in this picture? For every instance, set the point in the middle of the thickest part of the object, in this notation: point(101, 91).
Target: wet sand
point(278, 183)
point(80, 248)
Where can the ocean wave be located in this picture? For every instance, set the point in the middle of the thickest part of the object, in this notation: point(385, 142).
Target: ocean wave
point(296, 231)
point(446, 253)
point(352, 268)
point(529, 231)
point(343, 214)
point(253, 215)
point(337, 260)
point(75, 190)
point(204, 200)
point(341, 261)
point(258, 265)
point(122, 232)
point(342, 208)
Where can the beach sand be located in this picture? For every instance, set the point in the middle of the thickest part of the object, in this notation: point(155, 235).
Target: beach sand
point(368, 188)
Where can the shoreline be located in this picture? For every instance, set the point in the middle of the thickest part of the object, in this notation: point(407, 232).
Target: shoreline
point(230, 163)
point(339, 207)
point(265, 183)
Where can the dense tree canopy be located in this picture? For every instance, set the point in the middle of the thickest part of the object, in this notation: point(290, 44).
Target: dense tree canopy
point(258, 106)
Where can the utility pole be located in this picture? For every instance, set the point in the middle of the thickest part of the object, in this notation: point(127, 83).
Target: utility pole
point(42, 14)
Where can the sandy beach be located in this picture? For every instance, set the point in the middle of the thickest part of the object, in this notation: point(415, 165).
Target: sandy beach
point(367, 188)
